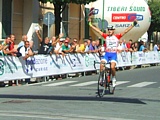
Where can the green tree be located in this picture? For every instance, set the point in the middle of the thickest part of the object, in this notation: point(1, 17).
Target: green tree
point(155, 20)
point(59, 6)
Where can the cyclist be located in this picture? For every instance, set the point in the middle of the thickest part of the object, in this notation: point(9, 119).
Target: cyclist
point(111, 41)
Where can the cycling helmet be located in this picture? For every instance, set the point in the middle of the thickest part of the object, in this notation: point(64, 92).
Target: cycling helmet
point(111, 27)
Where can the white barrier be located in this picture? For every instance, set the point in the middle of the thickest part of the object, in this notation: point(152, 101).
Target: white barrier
point(13, 68)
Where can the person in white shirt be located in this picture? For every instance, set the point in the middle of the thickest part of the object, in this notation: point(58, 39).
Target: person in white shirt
point(120, 47)
point(156, 47)
point(25, 50)
point(58, 47)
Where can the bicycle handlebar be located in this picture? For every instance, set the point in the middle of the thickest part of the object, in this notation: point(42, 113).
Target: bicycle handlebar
point(100, 63)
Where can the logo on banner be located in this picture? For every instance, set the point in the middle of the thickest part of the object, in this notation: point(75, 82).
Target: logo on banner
point(89, 60)
point(73, 62)
point(93, 11)
point(2, 67)
point(126, 17)
point(159, 55)
point(29, 69)
point(86, 60)
point(38, 63)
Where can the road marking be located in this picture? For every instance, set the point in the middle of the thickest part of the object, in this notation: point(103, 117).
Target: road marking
point(35, 84)
point(142, 84)
point(85, 83)
point(58, 116)
point(95, 82)
point(121, 82)
point(60, 83)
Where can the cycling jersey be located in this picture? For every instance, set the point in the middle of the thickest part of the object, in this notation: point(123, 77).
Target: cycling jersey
point(111, 42)
point(111, 47)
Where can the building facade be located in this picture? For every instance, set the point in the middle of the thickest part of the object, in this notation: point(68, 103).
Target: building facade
point(22, 16)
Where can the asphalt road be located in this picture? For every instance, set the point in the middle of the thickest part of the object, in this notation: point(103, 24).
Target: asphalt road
point(137, 97)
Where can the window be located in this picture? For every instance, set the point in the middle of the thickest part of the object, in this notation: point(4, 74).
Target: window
point(6, 17)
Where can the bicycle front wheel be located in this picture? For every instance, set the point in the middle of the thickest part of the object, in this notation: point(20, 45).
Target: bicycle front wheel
point(101, 87)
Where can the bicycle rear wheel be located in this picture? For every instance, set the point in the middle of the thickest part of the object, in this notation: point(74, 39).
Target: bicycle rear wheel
point(101, 87)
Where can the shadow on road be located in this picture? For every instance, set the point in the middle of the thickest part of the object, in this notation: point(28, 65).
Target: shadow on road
point(79, 98)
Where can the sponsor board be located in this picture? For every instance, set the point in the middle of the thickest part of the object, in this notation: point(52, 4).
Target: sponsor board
point(126, 17)
point(121, 14)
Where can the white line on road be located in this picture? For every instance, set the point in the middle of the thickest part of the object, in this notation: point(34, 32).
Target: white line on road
point(121, 82)
point(142, 84)
point(60, 83)
point(85, 83)
point(95, 82)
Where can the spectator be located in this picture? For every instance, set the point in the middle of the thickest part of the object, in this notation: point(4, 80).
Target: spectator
point(139, 44)
point(53, 40)
point(8, 46)
point(97, 45)
point(24, 51)
point(58, 47)
point(22, 43)
point(142, 46)
point(24, 38)
point(133, 47)
point(66, 47)
point(88, 44)
point(129, 44)
point(6, 41)
point(45, 46)
point(124, 45)
point(12, 44)
point(121, 47)
point(136, 46)
point(69, 40)
point(156, 47)
point(92, 47)
point(74, 46)
point(25, 48)
point(9, 49)
point(82, 47)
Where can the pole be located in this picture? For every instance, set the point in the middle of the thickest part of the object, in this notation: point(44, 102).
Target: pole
point(48, 23)
point(102, 41)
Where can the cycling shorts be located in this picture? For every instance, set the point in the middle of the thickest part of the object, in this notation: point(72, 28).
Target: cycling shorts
point(110, 57)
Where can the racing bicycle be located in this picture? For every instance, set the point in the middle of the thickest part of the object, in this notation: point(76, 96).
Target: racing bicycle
point(104, 80)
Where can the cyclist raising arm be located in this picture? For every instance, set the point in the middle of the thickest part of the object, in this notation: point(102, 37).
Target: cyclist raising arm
point(111, 40)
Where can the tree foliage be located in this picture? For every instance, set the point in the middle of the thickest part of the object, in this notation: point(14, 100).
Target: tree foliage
point(155, 11)
point(59, 6)
point(67, 1)
point(155, 20)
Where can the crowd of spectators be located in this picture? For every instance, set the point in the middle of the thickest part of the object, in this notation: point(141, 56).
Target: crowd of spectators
point(59, 45)
point(62, 46)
